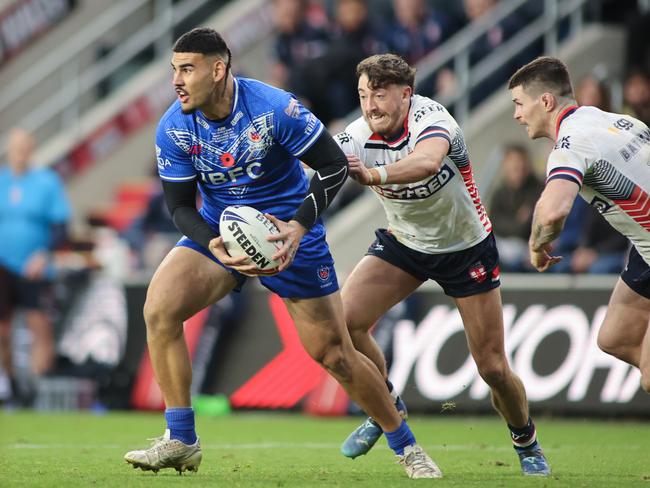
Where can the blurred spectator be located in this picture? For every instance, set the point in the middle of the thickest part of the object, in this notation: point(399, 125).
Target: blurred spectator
point(417, 29)
point(511, 208)
point(34, 211)
point(638, 41)
point(482, 47)
point(154, 234)
point(297, 41)
point(601, 250)
point(332, 77)
point(636, 96)
point(593, 92)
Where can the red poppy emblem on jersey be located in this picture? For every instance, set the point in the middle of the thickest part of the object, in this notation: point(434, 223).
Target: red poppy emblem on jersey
point(227, 160)
point(477, 273)
point(324, 273)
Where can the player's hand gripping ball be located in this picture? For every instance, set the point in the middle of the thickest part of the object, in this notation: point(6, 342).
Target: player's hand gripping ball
point(244, 231)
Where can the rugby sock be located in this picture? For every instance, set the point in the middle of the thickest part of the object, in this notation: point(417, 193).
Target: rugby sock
point(399, 439)
point(180, 422)
point(391, 389)
point(523, 437)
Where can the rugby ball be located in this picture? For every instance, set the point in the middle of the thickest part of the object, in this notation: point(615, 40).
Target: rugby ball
point(244, 231)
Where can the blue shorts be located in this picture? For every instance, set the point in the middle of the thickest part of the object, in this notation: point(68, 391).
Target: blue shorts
point(636, 274)
point(311, 274)
point(460, 274)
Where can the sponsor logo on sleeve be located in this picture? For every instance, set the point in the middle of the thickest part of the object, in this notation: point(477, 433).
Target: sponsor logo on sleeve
point(311, 123)
point(293, 109)
point(601, 205)
point(162, 162)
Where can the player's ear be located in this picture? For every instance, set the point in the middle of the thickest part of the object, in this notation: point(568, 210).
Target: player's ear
point(548, 101)
point(218, 69)
point(406, 93)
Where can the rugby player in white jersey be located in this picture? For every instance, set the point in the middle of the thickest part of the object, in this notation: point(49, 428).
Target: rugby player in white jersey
point(605, 157)
point(412, 154)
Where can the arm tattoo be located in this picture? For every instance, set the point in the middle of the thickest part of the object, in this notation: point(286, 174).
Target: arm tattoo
point(544, 234)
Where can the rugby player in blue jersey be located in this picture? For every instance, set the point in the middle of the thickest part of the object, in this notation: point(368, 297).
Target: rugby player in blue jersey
point(239, 141)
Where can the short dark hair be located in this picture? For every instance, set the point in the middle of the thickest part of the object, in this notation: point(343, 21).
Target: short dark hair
point(386, 69)
point(551, 74)
point(203, 40)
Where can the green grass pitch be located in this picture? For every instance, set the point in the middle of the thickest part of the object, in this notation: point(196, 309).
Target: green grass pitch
point(280, 450)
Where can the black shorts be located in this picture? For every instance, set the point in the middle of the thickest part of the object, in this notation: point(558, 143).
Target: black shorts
point(636, 274)
point(16, 291)
point(460, 274)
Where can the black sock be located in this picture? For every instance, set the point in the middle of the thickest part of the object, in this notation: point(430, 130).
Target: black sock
point(523, 436)
point(391, 389)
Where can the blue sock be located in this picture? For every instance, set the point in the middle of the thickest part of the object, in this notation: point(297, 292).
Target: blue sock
point(180, 422)
point(400, 438)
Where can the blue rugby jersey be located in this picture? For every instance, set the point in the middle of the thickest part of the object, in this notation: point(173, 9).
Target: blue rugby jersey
point(248, 158)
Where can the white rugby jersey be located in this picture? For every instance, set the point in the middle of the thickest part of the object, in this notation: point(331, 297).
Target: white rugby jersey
point(608, 156)
point(439, 214)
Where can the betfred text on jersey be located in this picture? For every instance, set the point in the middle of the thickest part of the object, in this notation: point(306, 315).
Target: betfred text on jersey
point(252, 170)
point(635, 145)
point(421, 191)
point(248, 247)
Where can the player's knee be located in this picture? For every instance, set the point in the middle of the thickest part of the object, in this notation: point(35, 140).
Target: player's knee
point(334, 361)
point(355, 323)
point(359, 336)
point(152, 311)
point(607, 345)
point(158, 317)
point(493, 372)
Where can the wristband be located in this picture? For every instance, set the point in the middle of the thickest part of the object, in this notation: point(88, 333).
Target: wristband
point(383, 174)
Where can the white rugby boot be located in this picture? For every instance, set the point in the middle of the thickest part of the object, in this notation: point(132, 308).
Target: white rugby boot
point(166, 453)
point(418, 464)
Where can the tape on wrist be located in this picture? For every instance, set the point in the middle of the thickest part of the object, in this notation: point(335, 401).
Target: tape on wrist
point(383, 174)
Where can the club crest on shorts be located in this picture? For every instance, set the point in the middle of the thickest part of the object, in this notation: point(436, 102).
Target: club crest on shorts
point(477, 272)
point(324, 273)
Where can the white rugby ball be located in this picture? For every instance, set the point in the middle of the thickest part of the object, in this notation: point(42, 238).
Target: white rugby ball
point(244, 231)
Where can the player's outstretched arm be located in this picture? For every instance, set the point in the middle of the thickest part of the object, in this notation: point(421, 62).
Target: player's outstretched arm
point(550, 214)
point(425, 160)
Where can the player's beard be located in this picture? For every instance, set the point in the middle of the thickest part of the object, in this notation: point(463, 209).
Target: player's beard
point(383, 125)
